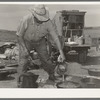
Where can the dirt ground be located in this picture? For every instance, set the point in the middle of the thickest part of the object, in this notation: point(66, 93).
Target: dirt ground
point(93, 60)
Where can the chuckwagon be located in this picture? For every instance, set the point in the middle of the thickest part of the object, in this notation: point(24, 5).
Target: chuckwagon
point(70, 24)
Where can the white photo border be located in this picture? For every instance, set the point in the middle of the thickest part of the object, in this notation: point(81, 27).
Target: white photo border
point(49, 93)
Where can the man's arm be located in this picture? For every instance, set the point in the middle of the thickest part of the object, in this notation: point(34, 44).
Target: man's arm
point(57, 21)
point(54, 35)
point(20, 32)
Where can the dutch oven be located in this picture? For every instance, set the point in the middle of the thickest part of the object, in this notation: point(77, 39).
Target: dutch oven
point(68, 84)
point(1, 67)
point(94, 72)
point(3, 75)
point(89, 82)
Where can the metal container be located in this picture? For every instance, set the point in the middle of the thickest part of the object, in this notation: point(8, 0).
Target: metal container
point(68, 84)
point(90, 83)
point(94, 72)
point(3, 75)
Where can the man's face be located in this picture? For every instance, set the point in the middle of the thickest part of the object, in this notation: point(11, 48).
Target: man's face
point(40, 22)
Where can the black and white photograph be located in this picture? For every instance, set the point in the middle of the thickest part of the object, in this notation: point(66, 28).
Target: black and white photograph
point(53, 46)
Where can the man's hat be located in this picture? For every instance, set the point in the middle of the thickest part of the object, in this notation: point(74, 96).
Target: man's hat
point(40, 12)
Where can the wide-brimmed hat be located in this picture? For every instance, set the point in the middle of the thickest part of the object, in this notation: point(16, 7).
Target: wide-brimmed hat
point(40, 12)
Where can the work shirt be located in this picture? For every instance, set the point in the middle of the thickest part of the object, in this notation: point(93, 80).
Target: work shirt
point(34, 32)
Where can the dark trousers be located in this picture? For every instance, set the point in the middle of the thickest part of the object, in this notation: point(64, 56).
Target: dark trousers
point(41, 49)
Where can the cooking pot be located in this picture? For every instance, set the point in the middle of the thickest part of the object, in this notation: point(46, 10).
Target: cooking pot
point(90, 82)
point(1, 67)
point(68, 84)
point(3, 75)
point(94, 72)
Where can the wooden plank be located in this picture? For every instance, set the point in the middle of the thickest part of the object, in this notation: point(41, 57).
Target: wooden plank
point(82, 46)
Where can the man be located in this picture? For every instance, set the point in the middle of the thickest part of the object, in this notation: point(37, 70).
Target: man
point(31, 34)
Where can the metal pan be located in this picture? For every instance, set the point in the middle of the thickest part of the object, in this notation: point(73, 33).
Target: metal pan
point(68, 84)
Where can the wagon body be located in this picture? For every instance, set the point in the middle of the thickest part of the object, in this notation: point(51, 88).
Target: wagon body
point(71, 24)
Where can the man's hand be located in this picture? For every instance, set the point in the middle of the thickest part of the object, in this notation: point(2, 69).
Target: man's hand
point(61, 57)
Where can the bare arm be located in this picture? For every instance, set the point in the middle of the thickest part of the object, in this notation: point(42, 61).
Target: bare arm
point(20, 32)
point(54, 35)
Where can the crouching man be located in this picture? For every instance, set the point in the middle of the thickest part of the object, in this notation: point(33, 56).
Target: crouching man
point(31, 34)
